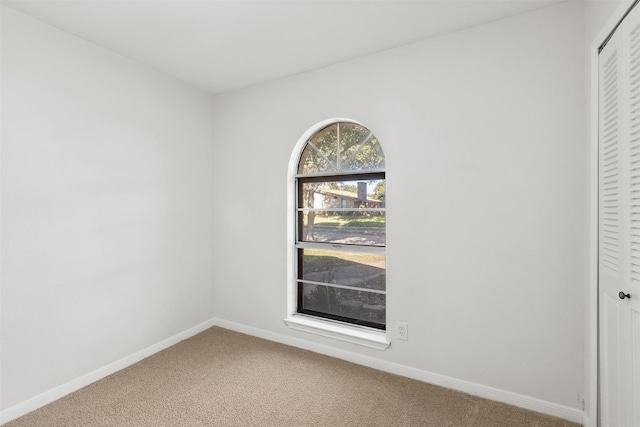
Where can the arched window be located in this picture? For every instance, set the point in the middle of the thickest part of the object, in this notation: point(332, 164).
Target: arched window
point(340, 221)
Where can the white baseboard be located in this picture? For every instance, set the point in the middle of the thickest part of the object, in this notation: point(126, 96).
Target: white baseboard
point(515, 399)
point(76, 384)
point(490, 393)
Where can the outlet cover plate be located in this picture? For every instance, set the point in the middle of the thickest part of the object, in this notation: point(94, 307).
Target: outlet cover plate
point(402, 333)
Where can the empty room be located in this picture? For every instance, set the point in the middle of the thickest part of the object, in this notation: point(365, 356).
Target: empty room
point(195, 228)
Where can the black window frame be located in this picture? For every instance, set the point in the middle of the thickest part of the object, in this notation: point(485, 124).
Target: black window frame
point(330, 177)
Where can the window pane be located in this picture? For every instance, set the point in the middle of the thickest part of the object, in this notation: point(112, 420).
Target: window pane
point(360, 220)
point(321, 152)
point(312, 161)
point(354, 194)
point(360, 305)
point(359, 149)
point(344, 227)
point(344, 268)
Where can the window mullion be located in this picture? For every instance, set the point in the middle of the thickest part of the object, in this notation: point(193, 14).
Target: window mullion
point(359, 148)
point(334, 285)
point(369, 175)
point(338, 148)
point(317, 150)
point(333, 247)
point(342, 209)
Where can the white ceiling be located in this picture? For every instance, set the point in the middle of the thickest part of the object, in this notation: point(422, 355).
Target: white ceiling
point(225, 45)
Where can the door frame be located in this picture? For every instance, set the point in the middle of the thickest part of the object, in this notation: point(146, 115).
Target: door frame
point(592, 361)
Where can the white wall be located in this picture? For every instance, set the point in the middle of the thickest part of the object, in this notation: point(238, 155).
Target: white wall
point(484, 136)
point(107, 207)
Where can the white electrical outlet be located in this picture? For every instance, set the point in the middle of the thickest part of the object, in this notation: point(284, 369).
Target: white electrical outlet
point(402, 333)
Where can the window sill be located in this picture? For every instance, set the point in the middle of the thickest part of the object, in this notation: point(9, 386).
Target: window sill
point(355, 335)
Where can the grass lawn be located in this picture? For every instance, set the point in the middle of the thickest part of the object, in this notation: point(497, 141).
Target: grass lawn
point(377, 221)
point(315, 260)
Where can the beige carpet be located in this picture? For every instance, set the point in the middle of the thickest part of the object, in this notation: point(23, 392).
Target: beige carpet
point(224, 378)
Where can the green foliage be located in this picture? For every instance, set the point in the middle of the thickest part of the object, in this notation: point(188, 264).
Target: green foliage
point(358, 149)
point(334, 185)
point(379, 190)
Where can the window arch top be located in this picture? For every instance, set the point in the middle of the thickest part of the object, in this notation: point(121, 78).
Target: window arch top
point(341, 147)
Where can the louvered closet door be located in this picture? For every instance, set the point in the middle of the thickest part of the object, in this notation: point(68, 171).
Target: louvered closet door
point(612, 220)
point(619, 228)
point(631, 306)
